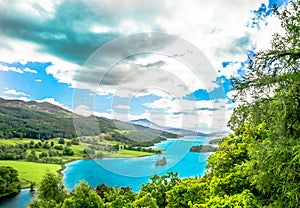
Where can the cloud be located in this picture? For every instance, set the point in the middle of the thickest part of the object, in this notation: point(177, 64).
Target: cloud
point(83, 26)
point(10, 68)
point(54, 102)
point(30, 70)
point(83, 110)
point(14, 92)
point(124, 107)
point(16, 98)
point(204, 116)
point(38, 80)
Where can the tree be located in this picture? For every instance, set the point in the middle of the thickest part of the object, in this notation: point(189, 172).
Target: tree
point(119, 198)
point(270, 96)
point(146, 201)
point(9, 181)
point(61, 141)
point(187, 191)
point(83, 196)
point(158, 187)
point(243, 200)
point(51, 192)
point(102, 188)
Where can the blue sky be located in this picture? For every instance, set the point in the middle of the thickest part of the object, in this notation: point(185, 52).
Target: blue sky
point(46, 46)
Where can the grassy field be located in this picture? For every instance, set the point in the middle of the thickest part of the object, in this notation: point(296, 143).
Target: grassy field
point(30, 171)
point(128, 154)
point(34, 171)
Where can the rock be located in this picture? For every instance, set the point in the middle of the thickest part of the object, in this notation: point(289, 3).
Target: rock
point(161, 162)
point(203, 148)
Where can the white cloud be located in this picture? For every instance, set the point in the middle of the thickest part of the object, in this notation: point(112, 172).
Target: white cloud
point(30, 70)
point(54, 102)
point(105, 115)
point(83, 110)
point(38, 80)
point(14, 92)
point(15, 98)
point(119, 106)
point(10, 68)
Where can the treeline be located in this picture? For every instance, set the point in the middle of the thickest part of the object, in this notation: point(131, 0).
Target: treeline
point(28, 151)
point(152, 195)
point(143, 149)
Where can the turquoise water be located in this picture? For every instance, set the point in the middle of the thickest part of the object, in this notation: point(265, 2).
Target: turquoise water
point(133, 172)
point(19, 201)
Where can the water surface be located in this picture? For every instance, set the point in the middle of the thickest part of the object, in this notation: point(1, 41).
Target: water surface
point(19, 201)
point(133, 172)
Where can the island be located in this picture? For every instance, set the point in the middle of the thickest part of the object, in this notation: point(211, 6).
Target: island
point(161, 162)
point(203, 148)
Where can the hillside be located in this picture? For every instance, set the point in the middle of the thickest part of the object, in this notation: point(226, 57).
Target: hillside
point(20, 119)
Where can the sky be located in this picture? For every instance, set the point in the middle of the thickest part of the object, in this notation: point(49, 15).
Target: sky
point(167, 61)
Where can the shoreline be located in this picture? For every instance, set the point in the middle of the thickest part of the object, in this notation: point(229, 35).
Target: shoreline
point(127, 154)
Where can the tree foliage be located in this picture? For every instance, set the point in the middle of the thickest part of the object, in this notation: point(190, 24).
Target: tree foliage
point(9, 181)
point(83, 196)
point(51, 192)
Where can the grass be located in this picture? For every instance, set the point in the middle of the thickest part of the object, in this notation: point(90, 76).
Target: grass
point(30, 171)
point(132, 153)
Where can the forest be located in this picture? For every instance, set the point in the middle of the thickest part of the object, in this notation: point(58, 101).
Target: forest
point(257, 165)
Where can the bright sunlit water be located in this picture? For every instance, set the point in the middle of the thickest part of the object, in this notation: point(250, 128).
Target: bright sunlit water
point(133, 172)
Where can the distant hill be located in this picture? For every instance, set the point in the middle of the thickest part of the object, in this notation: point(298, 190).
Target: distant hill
point(45, 121)
point(178, 131)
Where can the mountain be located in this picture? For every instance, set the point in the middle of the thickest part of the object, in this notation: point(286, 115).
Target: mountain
point(146, 123)
point(45, 121)
point(39, 106)
point(34, 120)
point(178, 131)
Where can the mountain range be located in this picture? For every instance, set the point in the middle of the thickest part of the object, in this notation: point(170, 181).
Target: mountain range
point(43, 120)
point(178, 131)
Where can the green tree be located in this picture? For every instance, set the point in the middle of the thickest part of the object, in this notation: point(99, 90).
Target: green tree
point(9, 181)
point(146, 201)
point(158, 187)
point(270, 96)
point(243, 200)
point(187, 191)
point(83, 196)
point(119, 198)
point(51, 192)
